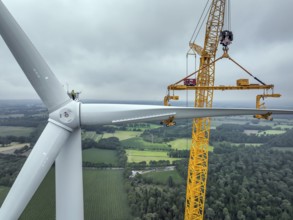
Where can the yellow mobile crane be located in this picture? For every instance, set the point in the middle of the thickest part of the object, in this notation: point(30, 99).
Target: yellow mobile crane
point(204, 89)
point(198, 159)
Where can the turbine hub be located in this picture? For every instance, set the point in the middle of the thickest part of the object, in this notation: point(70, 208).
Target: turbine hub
point(67, 116)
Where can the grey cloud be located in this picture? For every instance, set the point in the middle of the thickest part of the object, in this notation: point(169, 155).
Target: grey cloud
point(133, 49)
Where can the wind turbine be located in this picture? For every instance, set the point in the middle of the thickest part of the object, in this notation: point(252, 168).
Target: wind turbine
point(61, 138)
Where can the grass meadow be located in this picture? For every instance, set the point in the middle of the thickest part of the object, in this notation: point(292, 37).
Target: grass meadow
point(123, 135)
point(181, 144)
point(161, 177)
point(95, 155)
point(147, 156)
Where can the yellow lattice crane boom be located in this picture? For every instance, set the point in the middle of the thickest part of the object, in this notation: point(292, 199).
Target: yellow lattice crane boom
point(204, 89)
point(198, 161)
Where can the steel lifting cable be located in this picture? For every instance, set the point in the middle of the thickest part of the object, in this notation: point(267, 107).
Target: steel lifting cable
point(229, 15)
point(186, 145)
point(200, 23)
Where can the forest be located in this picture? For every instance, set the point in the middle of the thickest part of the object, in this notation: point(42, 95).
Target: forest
point(243, 182)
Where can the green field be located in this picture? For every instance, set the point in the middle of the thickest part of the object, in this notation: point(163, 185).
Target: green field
point(3, 192)
point(123, 135)
point(147, 156)
point(104, 197)
point(91, 135)
point(15, 131)
point(162, 176)
point(181, 144)
point(271, 132)
point(139, 143)
point(95, 155)
point(42, 205)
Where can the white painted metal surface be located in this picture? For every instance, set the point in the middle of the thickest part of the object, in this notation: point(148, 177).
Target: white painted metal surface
point(69, 184)
point(92, 114)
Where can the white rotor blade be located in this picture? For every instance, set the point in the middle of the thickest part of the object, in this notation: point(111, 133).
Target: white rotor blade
point(69, 184)
point(91, 114)
point(33, 65)
point(33, 171)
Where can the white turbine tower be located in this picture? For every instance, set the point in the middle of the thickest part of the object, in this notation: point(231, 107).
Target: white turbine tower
point(61, 139)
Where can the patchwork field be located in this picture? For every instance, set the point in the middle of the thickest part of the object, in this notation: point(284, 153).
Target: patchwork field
point(139, 143)
point(95, 155)
point(91, 135)
point(147, 156)
point(15, 131)
point(123, 135)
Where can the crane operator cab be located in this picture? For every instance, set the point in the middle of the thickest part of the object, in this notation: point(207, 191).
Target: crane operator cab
point(226, 38)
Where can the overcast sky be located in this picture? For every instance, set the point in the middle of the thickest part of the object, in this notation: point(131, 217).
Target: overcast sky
point(133, 49)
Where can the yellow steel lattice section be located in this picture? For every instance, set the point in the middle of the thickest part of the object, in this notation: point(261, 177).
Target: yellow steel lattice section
point(198, 163)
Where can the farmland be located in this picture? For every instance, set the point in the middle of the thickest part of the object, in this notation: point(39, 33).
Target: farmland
point(103, 193)
point(138, 156)
point(123, 135)
point(95, 155)
point(105, 197)
point(15, 131)
point(181, 144)
point(106, 189)
point(161, 177)
point(138, 143)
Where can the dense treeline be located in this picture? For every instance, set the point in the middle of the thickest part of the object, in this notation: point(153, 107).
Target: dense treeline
point(32, 138)
point(237, 137)
point(25, 121)
point(248, 183)
point(282, 140)
point(163, 134)
point(242, 128)
point(111, 143)
point(9, 168)
point(8, 139)
point(151, 164)
point(226, 132)
point(149, 201)
point(99, 129)
point(178, 153)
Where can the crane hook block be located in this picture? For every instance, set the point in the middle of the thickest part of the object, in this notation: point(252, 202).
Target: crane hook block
point(226, 38)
